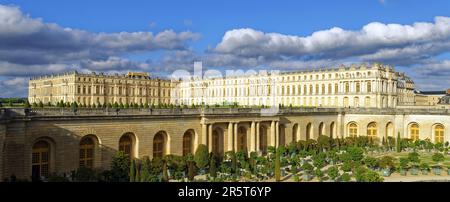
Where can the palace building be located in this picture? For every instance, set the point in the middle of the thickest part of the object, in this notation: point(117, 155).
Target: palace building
point(373, 101)
point(99, 89)
point(376, 86)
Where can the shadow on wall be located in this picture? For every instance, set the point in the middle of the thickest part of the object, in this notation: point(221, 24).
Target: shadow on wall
point(53, 150)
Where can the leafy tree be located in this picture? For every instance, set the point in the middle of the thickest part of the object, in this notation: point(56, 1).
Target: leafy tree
point(319, 160)
point(10, 103)
point(145, 170)
point(165, 175)
point(213, 167)
point(345, 177)
point(437, 157)
point(120, 167)
point(356, 153)
point(133, 171)
point(370, 162)
point(386, 162)
point(146, 105)
point(333, 172)
point(277, 166)
point(201, 156)
point(40, 105)
point(398, 143)
point(84, 174)
point(413, 157)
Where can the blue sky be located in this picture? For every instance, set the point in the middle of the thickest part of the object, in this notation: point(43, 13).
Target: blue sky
point(197, 30)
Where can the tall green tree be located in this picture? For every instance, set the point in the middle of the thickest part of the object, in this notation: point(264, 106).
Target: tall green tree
point(165, 175)
point(120, 167)
point(133, 171)
point(213, 167)
point(399, 143)
point(145, 170)
point(201, 156)
point(277, 166)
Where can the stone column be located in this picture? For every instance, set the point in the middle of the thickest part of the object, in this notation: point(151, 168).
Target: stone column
point(210, 138)
point(277, 132)
point(230, 136)
point(252, 137)
point(235, 128)
point(204, 134)
point(338, 126)
point(272, 134)
point(258, 136)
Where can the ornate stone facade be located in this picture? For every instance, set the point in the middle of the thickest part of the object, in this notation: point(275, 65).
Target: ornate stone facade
point(377, 86)
point(90, 89)
point(144, 132)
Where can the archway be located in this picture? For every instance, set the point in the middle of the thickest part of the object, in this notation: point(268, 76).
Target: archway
point(308, 131)
point(188, 142)
point(294, 132)
point(127, 144)
point(217, 141)
point(282, 135)
point(87, 151)
point(160, 144)
point(321, 128)
point(242, 139)
point(40, 159)
point(389, 130)
point(332, 130)
point(352, 129)
point(414, 131)
point(372, 131)
point(263, 139)
point(438, 132)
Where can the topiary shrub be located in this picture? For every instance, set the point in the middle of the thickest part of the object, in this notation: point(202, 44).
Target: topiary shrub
point(333, 173)
point(201, 156)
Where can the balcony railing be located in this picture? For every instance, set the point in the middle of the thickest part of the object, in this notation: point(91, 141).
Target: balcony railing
point(6, 113)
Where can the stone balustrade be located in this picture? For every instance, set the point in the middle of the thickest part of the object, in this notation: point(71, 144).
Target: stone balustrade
point(44, 112)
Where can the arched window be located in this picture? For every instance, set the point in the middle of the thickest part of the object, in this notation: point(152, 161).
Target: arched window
point(356, 101)
point(87, 147)
point(126, 144)
point(369, 86)
point(242, 139)
point(414, 131)
point(158, 145)
point(308, 131)
point(439, 134)
point(330, 89)
point(217, 141)
point(40, 159)
point(346, 102)
point(372, 130)
point(347, 87)
point(367, 102)
point(336, 88)
point(317, 89)
point(332, 129)
point(310, 89)
point(323, 89)
point(352, 130)
point(321, 128)
point(263, 139)
point(188, 143)
point(294, 133)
